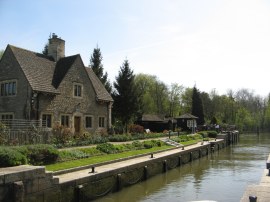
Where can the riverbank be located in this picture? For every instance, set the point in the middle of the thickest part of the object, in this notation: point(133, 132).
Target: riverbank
point(260, 192)
point(33, 183)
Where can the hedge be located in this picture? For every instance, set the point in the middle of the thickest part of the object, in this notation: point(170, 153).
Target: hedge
point(40, 154)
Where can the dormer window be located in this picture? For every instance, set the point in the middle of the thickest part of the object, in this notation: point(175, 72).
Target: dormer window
point(8, 88)
point(77, 90)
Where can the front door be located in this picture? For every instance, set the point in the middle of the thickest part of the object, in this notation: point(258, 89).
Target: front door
point(77, 124)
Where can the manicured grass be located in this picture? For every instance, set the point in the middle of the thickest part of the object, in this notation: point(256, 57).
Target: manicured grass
point(190, 142)
point(102, 158)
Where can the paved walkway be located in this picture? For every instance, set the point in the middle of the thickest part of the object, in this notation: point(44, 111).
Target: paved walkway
point(122, 164)
point(261, 191)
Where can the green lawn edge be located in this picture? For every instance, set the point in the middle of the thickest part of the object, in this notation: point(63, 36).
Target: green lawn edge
point(102, 158)
point(109, 157)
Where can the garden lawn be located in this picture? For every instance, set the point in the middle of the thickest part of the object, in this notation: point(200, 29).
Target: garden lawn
point(102, 158)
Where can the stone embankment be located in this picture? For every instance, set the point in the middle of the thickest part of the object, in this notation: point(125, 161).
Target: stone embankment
point(33, 183)
point(260, 192)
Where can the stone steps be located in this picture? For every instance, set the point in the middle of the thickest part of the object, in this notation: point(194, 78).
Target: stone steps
point(172, 143)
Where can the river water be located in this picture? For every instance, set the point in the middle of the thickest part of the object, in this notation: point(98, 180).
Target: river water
point(222, 176)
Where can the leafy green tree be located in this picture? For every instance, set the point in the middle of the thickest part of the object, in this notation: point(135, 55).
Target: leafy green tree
point(197, 107)
point(97, 66)
point(186, 101)
point(126, 102)
point(154, 94)
point(175, 98)
point(266, 120)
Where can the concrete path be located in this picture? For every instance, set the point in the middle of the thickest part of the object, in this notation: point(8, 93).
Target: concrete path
point(71, 176)
point(261, 191)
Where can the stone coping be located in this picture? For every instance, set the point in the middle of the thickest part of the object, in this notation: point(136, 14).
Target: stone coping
point(60, 172)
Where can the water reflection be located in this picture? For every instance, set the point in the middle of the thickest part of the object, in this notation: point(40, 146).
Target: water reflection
point(222, 176)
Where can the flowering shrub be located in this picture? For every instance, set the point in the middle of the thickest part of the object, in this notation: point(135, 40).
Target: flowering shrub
point(136, 129)
point(61, 134)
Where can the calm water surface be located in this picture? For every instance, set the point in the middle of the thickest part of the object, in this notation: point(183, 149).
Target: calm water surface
point(222, 176)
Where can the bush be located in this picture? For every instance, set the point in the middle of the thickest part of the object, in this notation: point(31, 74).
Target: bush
point(152, 143)
point(204, 134)
point(106, 148)
point(147, 145)
point(42, 154)
point(91, 151)
point(61, 134)
point(11, 157)
point(212, 134)
point(120, 138)
point(137, 144)
point(68, 155)
point(136, 129)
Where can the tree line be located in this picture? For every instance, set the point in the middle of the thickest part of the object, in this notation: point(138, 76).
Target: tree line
point(139, 94)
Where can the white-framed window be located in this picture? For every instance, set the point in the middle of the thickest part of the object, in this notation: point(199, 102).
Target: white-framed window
point(65, 120)
point(8, 88)
point(88, 121)
point(6, 118)
point(47, 120)
point(77, 90)
point(101, 122)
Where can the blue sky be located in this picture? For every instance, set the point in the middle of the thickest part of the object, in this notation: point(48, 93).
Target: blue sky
point(215, 44)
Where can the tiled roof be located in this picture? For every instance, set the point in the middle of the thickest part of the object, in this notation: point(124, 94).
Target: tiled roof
point(187, 116)
point(44, 75)
point(101, 92)
point(61, 68)
point(37, 68)
point(153, 117)
point(157, 118)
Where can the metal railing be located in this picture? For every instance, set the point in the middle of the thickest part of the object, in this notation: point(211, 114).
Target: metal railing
point(21, 131)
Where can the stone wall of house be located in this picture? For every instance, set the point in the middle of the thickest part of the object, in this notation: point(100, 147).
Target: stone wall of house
point(66, 104)
point(19, 104)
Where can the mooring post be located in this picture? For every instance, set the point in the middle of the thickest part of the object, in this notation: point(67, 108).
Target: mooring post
point(252, 198)
point(119, 182)
point(165, 166)
point(152, 155)
point(145, 172)
point(78, 192)
point(92, 170)
point(183, 148)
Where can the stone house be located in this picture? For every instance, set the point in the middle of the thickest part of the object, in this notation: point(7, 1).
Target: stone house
point(52, 89)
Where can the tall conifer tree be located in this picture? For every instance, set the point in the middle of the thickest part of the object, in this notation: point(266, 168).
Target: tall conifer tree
point(125, 95)
point(97, 66)
point(197, 107)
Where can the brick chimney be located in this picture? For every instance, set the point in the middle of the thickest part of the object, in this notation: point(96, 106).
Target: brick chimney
point(56, 47)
